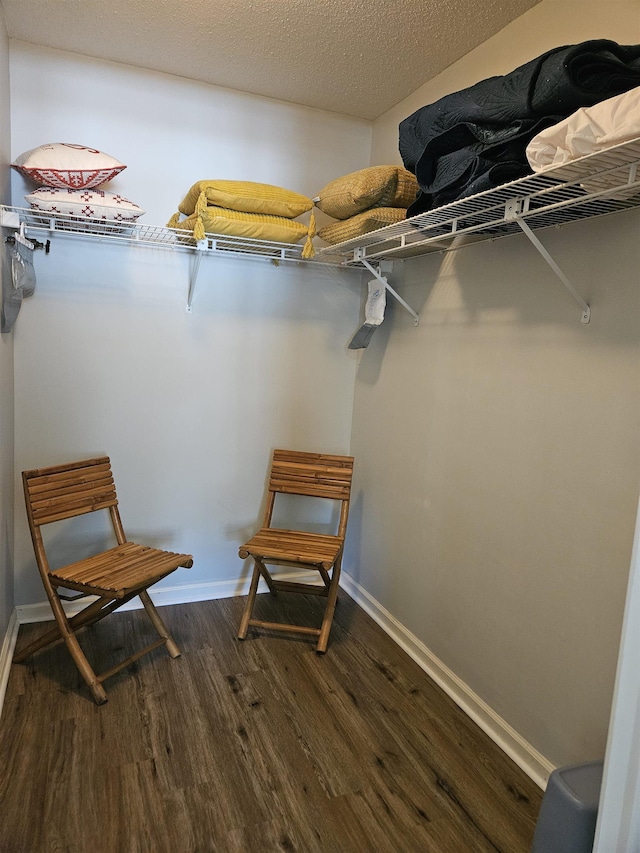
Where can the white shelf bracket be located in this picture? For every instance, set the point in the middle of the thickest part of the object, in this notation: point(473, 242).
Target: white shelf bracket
point(375, 271)
point(201, 245)
point(512, 211)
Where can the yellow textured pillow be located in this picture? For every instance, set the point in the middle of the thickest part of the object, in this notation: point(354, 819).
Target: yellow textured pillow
point(362, 223)
point(246, 196)
point(256, 226)
point(375, 186)
point(404, 193)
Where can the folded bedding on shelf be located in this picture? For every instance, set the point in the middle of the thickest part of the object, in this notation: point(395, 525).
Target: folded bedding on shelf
point(589, 129)
point(475, 139)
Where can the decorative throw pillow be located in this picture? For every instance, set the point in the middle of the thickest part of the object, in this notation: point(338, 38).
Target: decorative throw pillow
point(90, 204)
point(361, 223)
point(246, 196)
point(234, 223)
point(375, 186)
point(61, 164)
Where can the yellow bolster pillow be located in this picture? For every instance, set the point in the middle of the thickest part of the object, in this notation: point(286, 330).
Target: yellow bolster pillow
point(255, 226)
point(246, 196)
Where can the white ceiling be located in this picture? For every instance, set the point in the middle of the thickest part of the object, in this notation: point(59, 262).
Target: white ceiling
point(358, 57)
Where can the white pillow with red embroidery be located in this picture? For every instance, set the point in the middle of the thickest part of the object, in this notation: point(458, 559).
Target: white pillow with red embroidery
point(90, 204)
point(60, 164)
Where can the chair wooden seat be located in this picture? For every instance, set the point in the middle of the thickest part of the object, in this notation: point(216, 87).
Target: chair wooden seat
point(314, 549)
point(312, 475)
point(114, 576)
point(119, 571)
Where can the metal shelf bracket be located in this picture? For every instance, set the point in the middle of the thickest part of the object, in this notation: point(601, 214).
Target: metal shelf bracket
point(513, 211)
point(201, 246)
point(377, 272)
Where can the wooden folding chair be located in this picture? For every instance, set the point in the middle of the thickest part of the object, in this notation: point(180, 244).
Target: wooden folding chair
point(314, 475)
point(115, 576)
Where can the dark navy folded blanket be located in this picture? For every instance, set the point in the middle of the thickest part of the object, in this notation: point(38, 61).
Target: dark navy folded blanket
point(476, 139)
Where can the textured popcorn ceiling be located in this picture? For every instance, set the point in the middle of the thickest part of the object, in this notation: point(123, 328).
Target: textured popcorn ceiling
point(358, 57)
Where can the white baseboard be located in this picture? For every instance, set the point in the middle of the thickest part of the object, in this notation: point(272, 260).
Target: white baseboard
point(161, 596)
point(6, 654)
point(507, 738)
point(516, 747)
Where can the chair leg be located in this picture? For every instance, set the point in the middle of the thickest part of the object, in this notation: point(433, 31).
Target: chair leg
point(248, 608)
point(84, 619)
point(158, 624)
point(79, 658)
point(266, 574)
point(332, 598)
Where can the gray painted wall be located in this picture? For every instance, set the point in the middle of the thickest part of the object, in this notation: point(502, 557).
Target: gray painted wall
point(497, 443)
point(107, 360)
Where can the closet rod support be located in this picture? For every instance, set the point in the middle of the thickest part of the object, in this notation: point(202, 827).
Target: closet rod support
point(36, 243)
point(586, 311)
point(375, 271)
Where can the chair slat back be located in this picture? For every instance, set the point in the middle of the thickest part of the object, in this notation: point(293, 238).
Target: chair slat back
point(64, 491)
point(318, 475)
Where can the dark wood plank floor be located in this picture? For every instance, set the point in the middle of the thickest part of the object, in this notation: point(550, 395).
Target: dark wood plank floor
point(258, 745)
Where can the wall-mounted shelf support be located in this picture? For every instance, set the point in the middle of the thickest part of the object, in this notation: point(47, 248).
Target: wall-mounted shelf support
point(201, 246)
point(375, 271)
point(513, 211)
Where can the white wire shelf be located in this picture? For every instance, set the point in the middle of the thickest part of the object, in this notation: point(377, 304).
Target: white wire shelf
point(34, 223)
point(600, 183)
point(38, 223)
point(597, 184)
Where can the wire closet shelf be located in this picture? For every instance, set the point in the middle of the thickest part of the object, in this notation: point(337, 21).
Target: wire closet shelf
point(604, 182)
point(600, 183)
point(597, 184)
point(40, 223)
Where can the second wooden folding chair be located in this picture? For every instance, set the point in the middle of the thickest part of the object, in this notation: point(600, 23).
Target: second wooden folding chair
point(314, 475)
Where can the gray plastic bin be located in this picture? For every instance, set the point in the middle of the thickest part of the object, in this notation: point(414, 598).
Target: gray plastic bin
point(567, 819)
